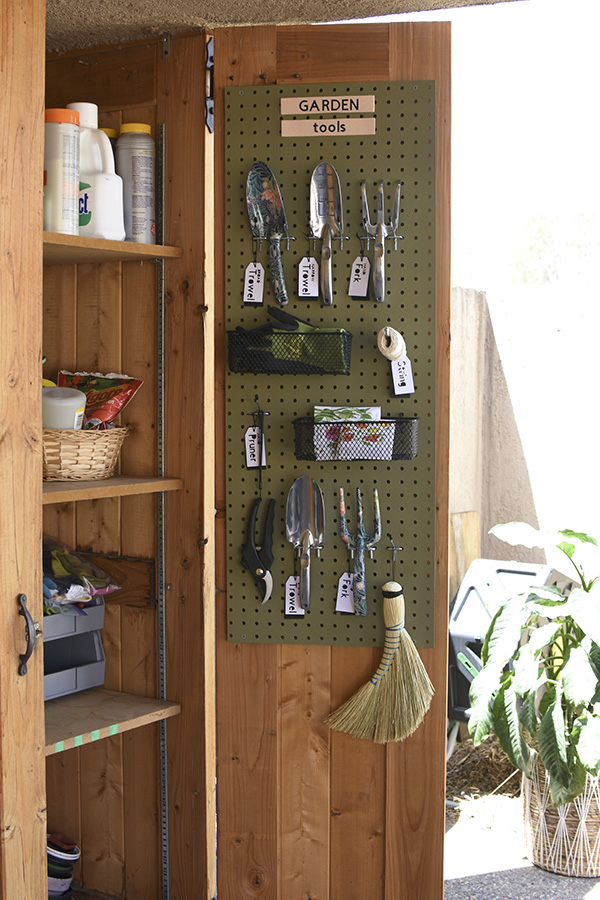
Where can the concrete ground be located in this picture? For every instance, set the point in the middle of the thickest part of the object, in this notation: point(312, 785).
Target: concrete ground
point(485, 857)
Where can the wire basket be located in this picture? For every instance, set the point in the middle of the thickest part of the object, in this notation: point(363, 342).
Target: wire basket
point(386, 439)
point(75, 455)
point(285, 353)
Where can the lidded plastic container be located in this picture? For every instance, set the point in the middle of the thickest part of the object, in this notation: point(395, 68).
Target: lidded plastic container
point(100, 188)
point(61, 171)
point(62, 407)
point(135, 160)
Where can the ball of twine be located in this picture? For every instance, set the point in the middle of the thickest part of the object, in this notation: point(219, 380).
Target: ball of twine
point(390, 343)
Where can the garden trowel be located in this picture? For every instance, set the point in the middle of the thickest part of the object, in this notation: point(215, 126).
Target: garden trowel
point(268, 221)
point(305, 527)
point(326, 219)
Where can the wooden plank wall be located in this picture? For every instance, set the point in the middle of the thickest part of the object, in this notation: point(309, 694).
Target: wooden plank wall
point(302, 811)
point(103, 318)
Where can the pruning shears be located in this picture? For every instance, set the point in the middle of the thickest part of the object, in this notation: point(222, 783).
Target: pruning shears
point(258, 559)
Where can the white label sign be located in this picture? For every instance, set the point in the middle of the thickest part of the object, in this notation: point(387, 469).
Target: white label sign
point(326, 127)
point(292, 597)
point(402, 376)
point(357, 103)
point(254, 283)
point(359, 277)
point(345, 594)
point(308, 278)
point(252, 443)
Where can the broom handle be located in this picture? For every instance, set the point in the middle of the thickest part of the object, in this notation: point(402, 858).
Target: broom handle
point(393, 615)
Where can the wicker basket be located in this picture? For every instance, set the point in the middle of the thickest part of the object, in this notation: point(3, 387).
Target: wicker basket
point(562, 839)
point(70, 455)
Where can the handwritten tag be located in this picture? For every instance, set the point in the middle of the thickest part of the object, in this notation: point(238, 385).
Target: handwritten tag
point(359, 277)
point(345, 594)
point(252, 440)
point(254, 284)
point(402, 377)
point(292, 597)
point(308, 278)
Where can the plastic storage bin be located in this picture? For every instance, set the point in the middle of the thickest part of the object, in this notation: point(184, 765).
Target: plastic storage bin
point(72, 664)
point(63, 624)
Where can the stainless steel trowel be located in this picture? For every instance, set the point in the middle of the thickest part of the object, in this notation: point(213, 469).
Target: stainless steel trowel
point(268, 221)
point(305, 527)
point(326, 219)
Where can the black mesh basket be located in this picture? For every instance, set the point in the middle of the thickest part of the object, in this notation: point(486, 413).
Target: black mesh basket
point(285, 353)
point(378, 440)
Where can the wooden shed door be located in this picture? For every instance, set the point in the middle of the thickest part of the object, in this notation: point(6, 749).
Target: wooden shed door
point(22, 800)
point(303, 812)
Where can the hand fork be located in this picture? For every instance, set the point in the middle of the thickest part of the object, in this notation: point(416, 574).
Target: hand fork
point(380, 231)
point(358, 543)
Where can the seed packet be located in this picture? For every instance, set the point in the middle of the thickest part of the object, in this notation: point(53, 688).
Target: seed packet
point(106, 395)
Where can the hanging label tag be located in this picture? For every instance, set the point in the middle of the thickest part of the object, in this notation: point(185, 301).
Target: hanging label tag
point(359, 277)
point(252, 442)
point(345, 594)
point(402, 376)
point(308, 278)
point(292, 597)
point(254, 284)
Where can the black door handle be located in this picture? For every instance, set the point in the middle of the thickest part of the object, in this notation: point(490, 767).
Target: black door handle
point(32, 632)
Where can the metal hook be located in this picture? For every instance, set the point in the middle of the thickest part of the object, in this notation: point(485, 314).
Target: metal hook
point(258, 419)
point(394, 550)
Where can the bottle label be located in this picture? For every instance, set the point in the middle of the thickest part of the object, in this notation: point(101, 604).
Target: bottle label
point(85, 205)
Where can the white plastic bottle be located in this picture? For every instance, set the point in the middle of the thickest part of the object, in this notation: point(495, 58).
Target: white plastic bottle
point(100, 189)
point(135, 159)
point(61, 171)
point(62, 407)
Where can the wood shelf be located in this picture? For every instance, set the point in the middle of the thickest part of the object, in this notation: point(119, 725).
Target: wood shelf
point(88, 716)
point(118, 486)
point(69, 249)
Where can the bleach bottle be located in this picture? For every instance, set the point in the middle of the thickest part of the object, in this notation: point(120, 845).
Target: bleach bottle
point(100, 189)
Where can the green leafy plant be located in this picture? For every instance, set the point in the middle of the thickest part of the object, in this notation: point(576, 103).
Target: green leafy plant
point(539, 687)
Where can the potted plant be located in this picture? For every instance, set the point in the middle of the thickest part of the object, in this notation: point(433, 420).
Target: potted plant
point(539, 691)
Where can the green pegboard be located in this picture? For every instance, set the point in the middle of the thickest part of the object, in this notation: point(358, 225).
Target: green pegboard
point(402, 149)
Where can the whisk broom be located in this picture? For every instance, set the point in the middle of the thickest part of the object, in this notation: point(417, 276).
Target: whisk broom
point(393, 703)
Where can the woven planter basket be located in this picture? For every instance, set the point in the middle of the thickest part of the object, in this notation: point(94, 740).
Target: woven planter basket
point(563, 839)
point(70, 455)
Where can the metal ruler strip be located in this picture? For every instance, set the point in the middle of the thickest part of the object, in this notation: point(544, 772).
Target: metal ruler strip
point(160, 513)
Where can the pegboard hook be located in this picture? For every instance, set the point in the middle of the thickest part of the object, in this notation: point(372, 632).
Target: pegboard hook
point(259, 422)
point(310, 244)
point(363, 240)
point(394, 550)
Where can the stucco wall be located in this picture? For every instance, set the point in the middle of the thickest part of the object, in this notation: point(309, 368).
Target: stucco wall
point(488, 469)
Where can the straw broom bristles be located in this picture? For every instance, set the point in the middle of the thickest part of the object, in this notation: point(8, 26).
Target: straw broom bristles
point(393, 703)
